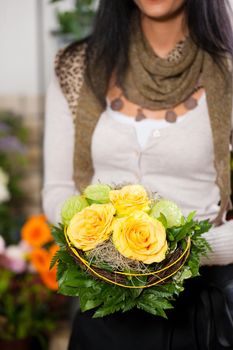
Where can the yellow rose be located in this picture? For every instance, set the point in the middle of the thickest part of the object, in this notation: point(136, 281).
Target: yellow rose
point(130, 199)
point(91, 226)
point(140, 237)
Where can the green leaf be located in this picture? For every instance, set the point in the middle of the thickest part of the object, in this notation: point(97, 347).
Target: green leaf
point(163, 220)
point(178, 233)
point(68, 291)
point(54, 260)
point(106, 310)
point(90, 304)
point(89, 301)
point(59, 237)
point(154, 309)
point(65, 257)
point(185, 274)
point(172, 246)
point(191, 216)
point(128, 305)
point(165, 291)
point(75, 277)
point(114, 299)
point(61, 269)
point(202, 227)
point(193, 264)
point(136, 281)
point(182, 221)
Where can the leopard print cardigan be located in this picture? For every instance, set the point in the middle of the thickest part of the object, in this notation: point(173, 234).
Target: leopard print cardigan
point(69, 68)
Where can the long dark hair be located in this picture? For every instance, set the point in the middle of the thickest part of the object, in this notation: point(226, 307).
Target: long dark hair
point(208, 22)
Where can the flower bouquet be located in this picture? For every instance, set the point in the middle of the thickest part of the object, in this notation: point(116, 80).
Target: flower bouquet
point(122, 248)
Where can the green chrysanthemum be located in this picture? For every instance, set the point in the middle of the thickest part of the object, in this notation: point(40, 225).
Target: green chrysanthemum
point(170, 210)
point(97, 193)
point(72, 206)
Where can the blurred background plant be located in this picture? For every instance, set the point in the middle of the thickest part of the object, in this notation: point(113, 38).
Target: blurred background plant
point(29, 307)
point(77, 23)
point(13, 160)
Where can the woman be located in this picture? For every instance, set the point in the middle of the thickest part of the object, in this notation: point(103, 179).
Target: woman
point(150, 95)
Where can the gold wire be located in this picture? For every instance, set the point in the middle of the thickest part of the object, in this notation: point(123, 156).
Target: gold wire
point(85, 262)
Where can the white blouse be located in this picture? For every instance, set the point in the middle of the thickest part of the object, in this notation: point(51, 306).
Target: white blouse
point(175, 160)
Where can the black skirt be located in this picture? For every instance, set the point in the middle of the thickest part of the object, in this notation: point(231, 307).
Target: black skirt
point(185, 329)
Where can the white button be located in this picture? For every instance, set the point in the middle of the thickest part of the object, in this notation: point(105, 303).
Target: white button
point(156, 133)
point(137, 153)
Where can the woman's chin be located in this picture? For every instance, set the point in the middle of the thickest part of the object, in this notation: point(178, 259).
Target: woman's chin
point(159, 9)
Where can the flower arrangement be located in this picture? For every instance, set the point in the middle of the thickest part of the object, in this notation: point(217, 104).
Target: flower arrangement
point(27, 285)
point(121, 248)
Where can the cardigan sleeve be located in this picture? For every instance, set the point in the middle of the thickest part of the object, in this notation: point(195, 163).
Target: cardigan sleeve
point(221, 238)
point(58, 149)
point(221, 242)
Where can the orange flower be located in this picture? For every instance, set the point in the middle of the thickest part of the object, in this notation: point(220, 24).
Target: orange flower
point(40, 259)
point(36, 231)
point(49, 278)
point(53, 249)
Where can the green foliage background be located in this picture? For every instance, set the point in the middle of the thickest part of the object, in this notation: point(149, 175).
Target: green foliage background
point(13, 161)
point(19, 318)
point(76, 23)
